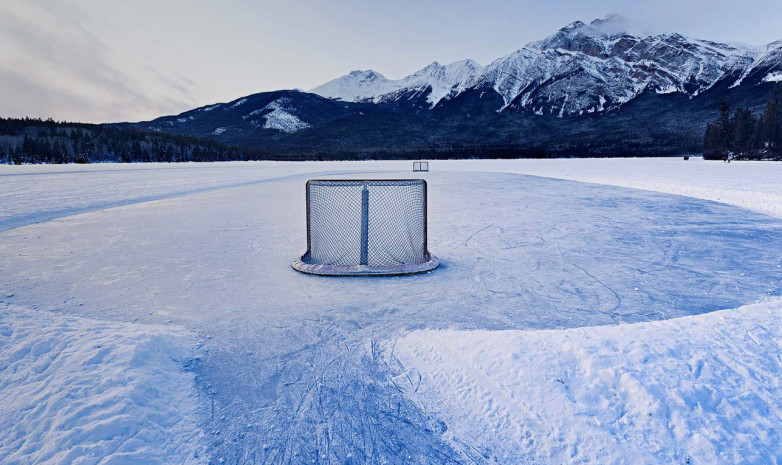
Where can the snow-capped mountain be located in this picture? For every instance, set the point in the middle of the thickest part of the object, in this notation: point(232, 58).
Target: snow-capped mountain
point(590, 89)
point(434, 82)
point(275, 114)
point(768, 66)
point(582, 68)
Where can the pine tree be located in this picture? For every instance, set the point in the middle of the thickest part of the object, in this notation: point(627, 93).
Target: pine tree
point(772, 121)
point(712, 147)
point(742, 126)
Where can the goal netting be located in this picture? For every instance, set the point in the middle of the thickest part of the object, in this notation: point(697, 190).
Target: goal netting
point(372, 227)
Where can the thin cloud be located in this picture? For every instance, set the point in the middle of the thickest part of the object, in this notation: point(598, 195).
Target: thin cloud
point(62, 69)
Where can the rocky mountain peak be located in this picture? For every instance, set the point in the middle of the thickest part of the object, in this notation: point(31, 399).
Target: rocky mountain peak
point(366, 75)
point(582, 68)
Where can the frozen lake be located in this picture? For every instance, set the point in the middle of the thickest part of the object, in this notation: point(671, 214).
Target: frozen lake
point(292, 368)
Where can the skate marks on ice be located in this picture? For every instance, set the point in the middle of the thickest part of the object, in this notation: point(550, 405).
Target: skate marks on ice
point(289, 366)
point(116, 188)
point(332, 400)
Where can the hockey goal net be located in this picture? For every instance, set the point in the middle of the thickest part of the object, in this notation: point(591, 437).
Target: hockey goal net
point(366, 227)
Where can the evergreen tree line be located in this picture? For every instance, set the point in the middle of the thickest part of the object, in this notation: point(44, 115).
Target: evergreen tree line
point(740, 133)
point(46, 141)
point(667, 148)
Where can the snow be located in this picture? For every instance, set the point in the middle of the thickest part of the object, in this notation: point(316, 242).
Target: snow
point(699, 389)
point(219, 131)
point(454, 77)
point(210, 108)
point(580, 58)
point(183, 272)
point(356, 86)
point(281, 119)
point(669, 89)
point(253, 113)
point(371, 86)
point(78, 390)
point(773, 77)
point(241, 101)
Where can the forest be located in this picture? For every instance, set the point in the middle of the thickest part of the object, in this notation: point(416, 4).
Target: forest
point(33, 141)
point(30, 140)
point(742, 134)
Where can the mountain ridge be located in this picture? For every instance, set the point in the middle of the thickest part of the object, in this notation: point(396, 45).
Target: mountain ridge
point(577, 58)
point(586, 89)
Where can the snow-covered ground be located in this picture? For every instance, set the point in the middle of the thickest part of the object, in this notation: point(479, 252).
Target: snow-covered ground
point(289, 368)
point(78, 390)
point(697, 389)
point(741, 183)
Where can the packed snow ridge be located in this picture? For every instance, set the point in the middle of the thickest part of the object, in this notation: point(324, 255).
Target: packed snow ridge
point(582, 68)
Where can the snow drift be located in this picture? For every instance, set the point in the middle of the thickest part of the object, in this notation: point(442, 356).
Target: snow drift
point(77, 390)
point(701, 389)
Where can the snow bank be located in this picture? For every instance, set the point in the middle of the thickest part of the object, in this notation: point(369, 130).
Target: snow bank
point(76, 390)
point(698, 389)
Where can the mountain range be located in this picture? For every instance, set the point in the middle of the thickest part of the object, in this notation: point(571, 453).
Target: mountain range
point(587, 89)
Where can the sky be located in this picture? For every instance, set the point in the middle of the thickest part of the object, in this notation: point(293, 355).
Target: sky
point(117, 60)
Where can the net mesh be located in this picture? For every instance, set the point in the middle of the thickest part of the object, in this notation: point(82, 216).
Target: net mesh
point(375, 223)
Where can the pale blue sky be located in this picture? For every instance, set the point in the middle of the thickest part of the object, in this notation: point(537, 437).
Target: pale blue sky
point(111, 60)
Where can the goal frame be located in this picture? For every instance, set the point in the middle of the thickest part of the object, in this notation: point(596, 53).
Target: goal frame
point(420, 166)
point(304, 265)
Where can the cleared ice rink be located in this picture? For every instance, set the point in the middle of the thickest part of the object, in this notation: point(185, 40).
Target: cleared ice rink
point(266, 365)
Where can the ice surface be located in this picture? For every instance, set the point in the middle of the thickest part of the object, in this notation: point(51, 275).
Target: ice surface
point(747, 184)
point(61, 190)
point(294, 367)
